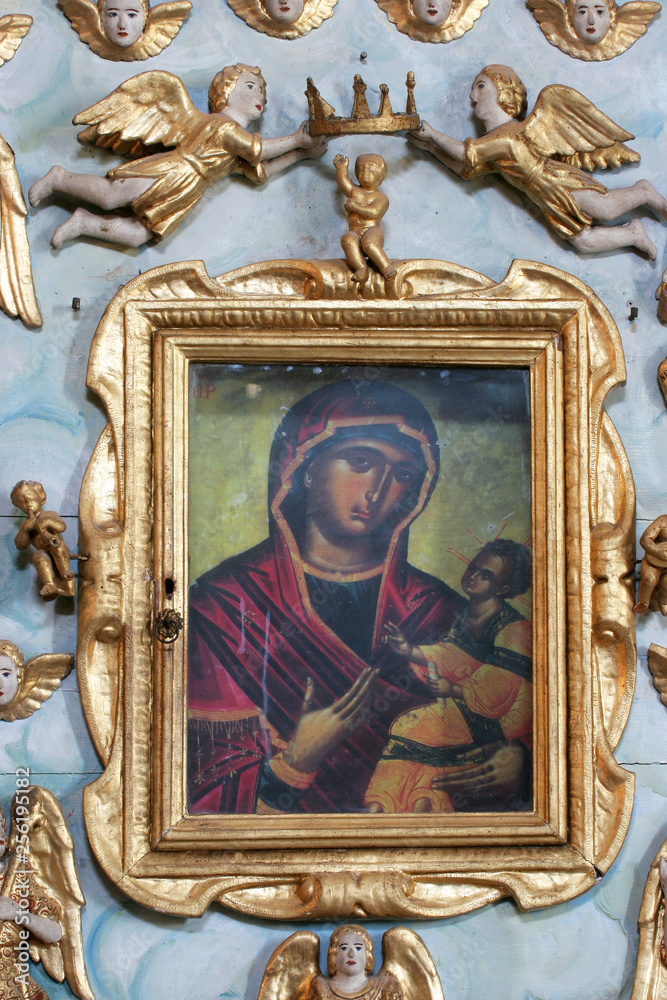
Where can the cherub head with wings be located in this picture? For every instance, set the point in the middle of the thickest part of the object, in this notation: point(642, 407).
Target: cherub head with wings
point(593, 29)
point(126, 30)
point(24, 686)
point(407, 968)
point(283, 18)
point(433, 20)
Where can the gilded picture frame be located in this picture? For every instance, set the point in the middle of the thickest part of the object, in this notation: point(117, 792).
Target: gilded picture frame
point(133, 527)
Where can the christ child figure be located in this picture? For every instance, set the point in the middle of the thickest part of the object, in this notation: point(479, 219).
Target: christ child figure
point(653, 570)
point(42, 529)
point(365, 207)
point(480, 676)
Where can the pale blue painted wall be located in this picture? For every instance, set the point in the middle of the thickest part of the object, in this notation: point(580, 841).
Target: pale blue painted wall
point(50, 422)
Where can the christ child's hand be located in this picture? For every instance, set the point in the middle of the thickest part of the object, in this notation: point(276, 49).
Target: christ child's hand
point(397, 641)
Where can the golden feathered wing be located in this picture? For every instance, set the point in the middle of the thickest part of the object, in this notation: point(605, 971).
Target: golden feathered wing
point(254, 15)
point(462, 17)
point(567, 126)
point(407, 957)
point(147, 113)
point(628, 23)
point(41, 676)
point(17, 292)
point(51, 858)
point(13, 29)
point(291, 968)
point(162, 25)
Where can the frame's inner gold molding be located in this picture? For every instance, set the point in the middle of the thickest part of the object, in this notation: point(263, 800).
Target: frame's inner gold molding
point(134, 524)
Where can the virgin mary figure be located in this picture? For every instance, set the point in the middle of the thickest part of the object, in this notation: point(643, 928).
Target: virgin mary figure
point(292, 687)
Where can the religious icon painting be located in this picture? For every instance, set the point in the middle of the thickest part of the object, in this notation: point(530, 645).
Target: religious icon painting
point(369, 648)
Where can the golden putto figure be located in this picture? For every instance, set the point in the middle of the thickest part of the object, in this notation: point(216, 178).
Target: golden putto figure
point(653, 570)
point(176, 152)
point(407, 968)
point(126, 30)
point(24, 686)
point(17, 292)
point(40, 899)
point(283, 18)
point(365, 207)
point(593, 29)
point(42, 529)
point(433, 20)
point(545, 155)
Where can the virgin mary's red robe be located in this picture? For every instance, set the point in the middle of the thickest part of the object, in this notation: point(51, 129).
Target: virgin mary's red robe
point(255, 638)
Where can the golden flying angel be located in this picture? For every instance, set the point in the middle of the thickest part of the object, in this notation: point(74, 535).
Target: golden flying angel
point(40, 899)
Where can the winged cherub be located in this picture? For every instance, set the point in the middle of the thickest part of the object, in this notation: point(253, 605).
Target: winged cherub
point(24, 686)
point(40, 899)
point(176, 153)
point(407, 968)
point(283, 18)
point(542, 154)
point(125, 30)
point(17, 292)
point(433, 20)
point(593, 29)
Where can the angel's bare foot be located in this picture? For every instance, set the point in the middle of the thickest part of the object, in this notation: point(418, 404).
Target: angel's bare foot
point(129, 231)
point(49, 591)
point(652, 198)
point(640, 609)
point(596, 239)
point(640, 239)
point(360, 275)
point(46, 185)
point(391, 272)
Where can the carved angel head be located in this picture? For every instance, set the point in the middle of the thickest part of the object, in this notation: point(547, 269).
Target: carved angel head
point(283, 18)
point(510, 90)
point(433, 20)
point(24, 686)
point(126, 29)
point(350, 951)
point(238, 88)
point(11, 671)
point(123, 20)
point(593, 29)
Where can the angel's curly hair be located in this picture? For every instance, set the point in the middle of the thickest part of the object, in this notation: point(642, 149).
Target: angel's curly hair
point(13, 652)
point(512, 96)
point(224, 82)
point(144, 4)
point(333, 944)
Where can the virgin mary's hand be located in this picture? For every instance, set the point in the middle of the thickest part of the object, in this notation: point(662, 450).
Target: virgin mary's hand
point(477, 786)
point(319, 732)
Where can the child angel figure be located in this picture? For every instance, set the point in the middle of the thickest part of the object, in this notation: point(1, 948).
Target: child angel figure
point(43, 529)
point(365, 206)
point(480, 675)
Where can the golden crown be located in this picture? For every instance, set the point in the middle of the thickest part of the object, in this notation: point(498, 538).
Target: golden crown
point(324, 121)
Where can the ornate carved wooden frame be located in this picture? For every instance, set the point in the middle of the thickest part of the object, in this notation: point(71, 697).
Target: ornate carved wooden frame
point(133, 528)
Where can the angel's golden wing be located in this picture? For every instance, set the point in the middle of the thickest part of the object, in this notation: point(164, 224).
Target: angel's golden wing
point(461, 19)
point(54, 869)
point(41, 676)
point(13, 28)
point(164, 22)
point(630, 23)
point(407, 957)
point(255, 16)
point(17, 292)
point(551, 16)
point(147, 113)
point(290, 970)
point(84, 17)
point(567, 126)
